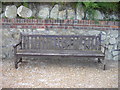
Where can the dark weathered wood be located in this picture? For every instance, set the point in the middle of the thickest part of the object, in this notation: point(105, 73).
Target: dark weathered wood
point(27, 42)
point(32, 42)
point(60, 52)
point(59, 45)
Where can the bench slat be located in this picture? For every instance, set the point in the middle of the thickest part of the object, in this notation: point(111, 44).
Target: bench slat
point(61, 52)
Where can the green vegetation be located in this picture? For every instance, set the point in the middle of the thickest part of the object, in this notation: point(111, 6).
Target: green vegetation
point(31, 17)
point(25, 3)
point(89, 8)
point(108, 8)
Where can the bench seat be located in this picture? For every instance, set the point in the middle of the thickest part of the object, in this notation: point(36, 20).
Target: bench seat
point(61, 53)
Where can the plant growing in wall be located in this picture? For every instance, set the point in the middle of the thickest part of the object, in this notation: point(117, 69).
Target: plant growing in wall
point(89, 8)
point(25, 3)
point(108, 8)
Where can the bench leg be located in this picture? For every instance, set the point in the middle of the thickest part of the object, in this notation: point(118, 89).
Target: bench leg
point(16, 63)
point(104, 67)
point(20, 60)
point(99, 61)
point(104, 64)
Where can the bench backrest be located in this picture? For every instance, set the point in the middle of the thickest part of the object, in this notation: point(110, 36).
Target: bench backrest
point(60, 42)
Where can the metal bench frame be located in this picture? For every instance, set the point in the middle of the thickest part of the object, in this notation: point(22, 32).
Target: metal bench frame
point(35, 45)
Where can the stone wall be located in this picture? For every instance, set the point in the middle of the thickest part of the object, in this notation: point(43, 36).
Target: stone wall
point(48, 10)
point(109, 37)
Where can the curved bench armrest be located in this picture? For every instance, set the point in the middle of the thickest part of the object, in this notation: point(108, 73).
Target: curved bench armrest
point(105, 48)
point(15, 45)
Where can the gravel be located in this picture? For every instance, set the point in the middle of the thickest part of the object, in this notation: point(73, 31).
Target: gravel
point(59, 73)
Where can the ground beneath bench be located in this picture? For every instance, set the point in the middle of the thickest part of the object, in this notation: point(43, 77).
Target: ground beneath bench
point(59, 73)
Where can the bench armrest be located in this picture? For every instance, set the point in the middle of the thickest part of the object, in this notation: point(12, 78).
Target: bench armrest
point(15, 45)
point(105, 48)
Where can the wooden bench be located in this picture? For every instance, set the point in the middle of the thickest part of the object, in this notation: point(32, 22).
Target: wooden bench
point(59, 45)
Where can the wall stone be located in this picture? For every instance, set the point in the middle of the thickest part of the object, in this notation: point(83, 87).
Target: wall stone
point(71, 14)
point(43, 12)
point(116, 57)
point(115, 53)
point(113, 17)
point(11, 12)
point(80, 12)
point(24, 12)
point(62, 14)
point(93, 32)
point(98, 15)
point(54, 12)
